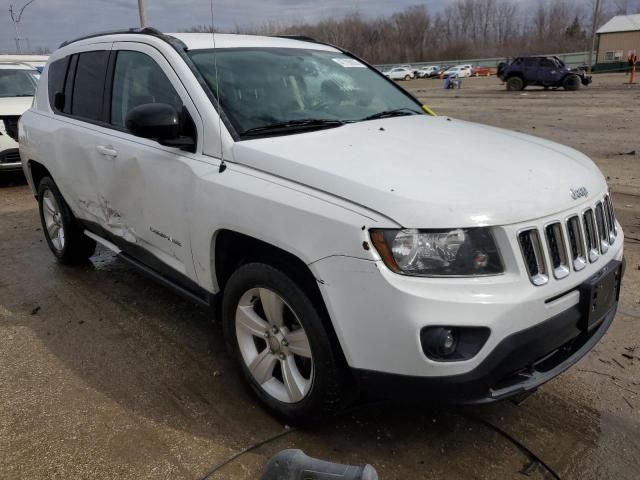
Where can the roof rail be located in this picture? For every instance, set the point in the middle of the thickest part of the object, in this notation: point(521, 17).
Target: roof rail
point(141, 31)
point(302, 38)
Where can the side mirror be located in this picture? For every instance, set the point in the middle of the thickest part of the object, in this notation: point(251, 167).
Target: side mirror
point(157, 121)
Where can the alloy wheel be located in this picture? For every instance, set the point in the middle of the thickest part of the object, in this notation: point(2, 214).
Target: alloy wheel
point(53, 220)
point(274, 345)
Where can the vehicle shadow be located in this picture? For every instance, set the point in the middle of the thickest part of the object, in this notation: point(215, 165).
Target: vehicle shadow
point(12, 179)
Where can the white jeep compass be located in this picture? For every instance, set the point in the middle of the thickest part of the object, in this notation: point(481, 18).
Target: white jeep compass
point(287, 181)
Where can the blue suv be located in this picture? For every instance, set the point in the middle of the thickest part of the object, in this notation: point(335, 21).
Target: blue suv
point(547, 72)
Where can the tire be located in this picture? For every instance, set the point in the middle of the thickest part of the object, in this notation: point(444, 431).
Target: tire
point(316, 369)
point(515, 84)
point(407, 78)
point(61, 229)
point(571, 82)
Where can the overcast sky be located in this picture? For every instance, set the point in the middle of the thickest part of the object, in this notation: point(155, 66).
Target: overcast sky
point(47, 23)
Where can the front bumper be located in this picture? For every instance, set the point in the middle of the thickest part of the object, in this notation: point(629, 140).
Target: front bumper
point(10, 160)
point(518, 365)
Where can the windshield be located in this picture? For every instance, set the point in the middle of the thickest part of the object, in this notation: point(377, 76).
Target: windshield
point(17, 83)
point(266, 86)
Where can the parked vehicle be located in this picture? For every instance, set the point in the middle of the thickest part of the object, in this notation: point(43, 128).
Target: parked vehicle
point(480, 71)
point(341, 254)
point(545, 72)
point(400, 73)
point(17, 87)
point(428, 72)
point(459, 71)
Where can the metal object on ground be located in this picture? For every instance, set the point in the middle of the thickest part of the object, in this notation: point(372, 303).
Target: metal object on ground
point(295, 465)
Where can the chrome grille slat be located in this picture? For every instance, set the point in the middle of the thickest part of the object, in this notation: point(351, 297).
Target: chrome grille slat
point(576, 243)
point(611, 219)
point(533, 254)
point(603, 229)
point(591, 235)
point(557, 250)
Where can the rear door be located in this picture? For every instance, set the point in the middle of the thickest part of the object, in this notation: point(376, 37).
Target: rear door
point(531, 70)
point(78, 128)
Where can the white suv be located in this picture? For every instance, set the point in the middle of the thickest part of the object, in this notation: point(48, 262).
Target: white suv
point(17, 86)
point(288, 181)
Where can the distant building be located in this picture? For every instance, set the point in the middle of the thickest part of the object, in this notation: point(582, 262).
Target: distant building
point(617, 38)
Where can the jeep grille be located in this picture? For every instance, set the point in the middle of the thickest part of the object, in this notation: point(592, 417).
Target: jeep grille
point(570, 246)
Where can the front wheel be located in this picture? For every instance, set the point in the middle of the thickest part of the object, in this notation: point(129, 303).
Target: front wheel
point(277, 335)
point(571, 82)
point(515, 84)
point(61, 230)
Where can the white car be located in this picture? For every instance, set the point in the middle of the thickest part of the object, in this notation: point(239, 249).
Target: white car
point(348, 244)
point(17, 86)
point(400, 73)
point(460, 71)
point(426, 72)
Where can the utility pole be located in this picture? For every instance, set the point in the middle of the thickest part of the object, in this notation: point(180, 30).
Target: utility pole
point(15, 18)
point(143, 20)
point(594, 26)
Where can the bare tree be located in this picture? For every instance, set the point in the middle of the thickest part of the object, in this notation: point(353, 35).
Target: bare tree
point(464, 29)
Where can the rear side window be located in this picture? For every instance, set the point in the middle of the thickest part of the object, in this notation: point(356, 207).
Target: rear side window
point(88, 87)
point(56, 81)
point(138, 80)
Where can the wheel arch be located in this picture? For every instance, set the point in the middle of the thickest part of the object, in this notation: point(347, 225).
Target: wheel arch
point(37, 171)
point(231, 249)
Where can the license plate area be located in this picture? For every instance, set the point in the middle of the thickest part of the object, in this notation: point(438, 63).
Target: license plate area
point(598, 294)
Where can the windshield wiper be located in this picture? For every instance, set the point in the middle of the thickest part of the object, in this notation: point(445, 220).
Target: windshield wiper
point(398, 112)
point(292, 125)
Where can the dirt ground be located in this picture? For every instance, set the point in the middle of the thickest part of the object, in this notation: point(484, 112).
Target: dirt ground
point(104, 374)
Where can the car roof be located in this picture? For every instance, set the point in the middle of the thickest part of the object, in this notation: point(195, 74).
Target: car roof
point(200, 41)
point(16, 66)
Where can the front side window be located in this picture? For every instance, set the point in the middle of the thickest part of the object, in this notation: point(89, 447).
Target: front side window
point(17, 83)
point(259, 87)
point(139, 80)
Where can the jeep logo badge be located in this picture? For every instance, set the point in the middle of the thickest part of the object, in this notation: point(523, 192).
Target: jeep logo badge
point(579, 192)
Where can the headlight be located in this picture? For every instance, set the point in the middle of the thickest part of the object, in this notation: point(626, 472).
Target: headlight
point(459, 252)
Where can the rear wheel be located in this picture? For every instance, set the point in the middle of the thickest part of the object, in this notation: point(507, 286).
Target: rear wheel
point(277, 336)
point(61, 229)
point(407, 77)
point(515, 84)
point(571, 82)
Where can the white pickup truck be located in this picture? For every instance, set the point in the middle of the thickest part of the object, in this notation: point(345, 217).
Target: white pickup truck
point(347, 243)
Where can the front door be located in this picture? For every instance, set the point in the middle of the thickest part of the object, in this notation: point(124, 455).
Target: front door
point(149, 185)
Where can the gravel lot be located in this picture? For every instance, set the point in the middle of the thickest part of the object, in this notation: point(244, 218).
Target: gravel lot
point(104, 374)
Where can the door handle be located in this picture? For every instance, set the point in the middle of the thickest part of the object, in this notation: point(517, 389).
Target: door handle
point(107, 151)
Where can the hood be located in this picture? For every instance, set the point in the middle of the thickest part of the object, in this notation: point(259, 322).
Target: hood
point(431, 172)
point(14, 106)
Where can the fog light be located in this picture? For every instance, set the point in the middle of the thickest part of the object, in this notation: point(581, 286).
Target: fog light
point(452, 344)
point(440, 342)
